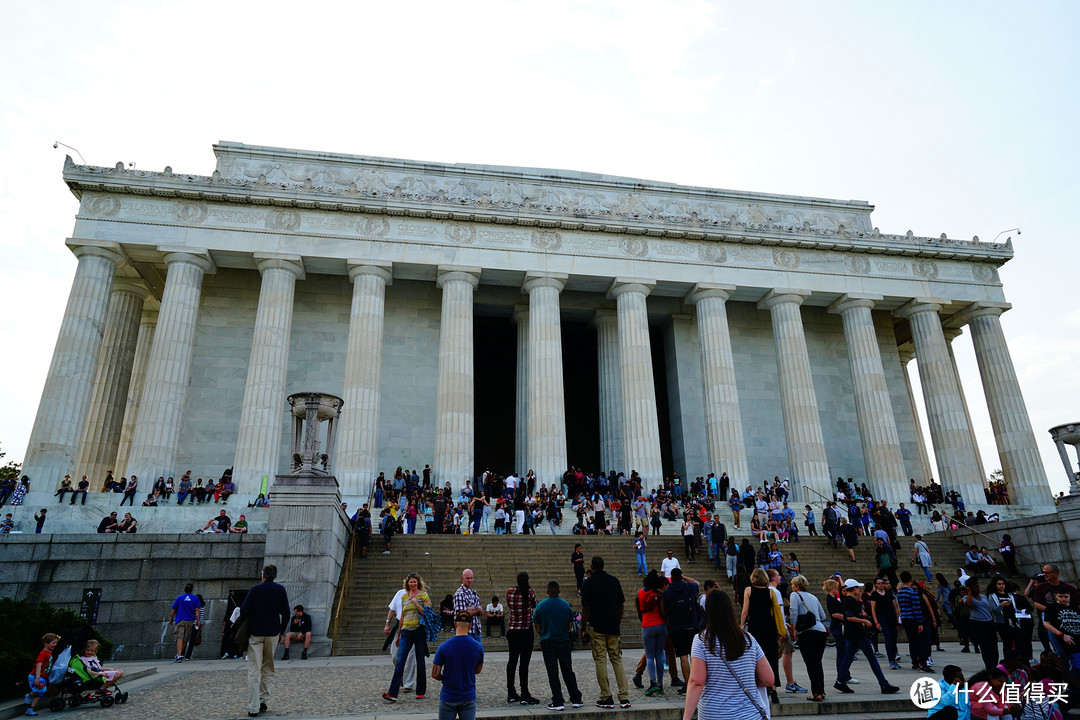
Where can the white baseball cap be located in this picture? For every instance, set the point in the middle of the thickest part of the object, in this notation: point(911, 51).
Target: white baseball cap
point(852, 583)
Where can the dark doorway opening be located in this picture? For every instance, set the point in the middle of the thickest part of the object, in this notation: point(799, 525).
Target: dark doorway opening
point(581, 385)
point(495, 368)
point(663, 413)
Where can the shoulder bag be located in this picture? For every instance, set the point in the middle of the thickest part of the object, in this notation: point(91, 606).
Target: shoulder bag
point(756, 702)
point(804, 620)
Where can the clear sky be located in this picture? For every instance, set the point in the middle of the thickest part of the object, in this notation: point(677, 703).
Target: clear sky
point(955, 117)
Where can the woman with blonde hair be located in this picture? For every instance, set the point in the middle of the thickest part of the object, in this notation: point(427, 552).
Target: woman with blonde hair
point(727, 668)
point(411, 633)
point(758, 618)
point(811, 637)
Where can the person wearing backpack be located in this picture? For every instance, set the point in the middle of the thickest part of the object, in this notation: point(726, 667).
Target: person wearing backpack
point(650, 607)
point(682, 613)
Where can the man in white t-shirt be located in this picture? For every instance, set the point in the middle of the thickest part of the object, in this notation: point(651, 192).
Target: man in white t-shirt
point(512, 482)
point(668, 564)
point(494, 613)
point(408, 679)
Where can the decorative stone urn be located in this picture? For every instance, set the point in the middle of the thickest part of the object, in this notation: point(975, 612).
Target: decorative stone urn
point(309, 411)
point(1069, 434)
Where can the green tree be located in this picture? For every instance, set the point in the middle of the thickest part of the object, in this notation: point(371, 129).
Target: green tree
point(997, 476)
point(9, 469)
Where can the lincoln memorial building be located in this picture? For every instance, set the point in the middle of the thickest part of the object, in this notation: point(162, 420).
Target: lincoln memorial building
point(474, 316)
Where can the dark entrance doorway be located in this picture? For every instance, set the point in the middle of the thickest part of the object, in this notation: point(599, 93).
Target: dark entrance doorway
point(582, 392)
point(495, 378)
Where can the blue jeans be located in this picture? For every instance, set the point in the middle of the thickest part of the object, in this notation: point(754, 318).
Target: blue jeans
point(852, 647)
point(377, 500)
point(641, 564)
point(412, 525)
point(416, 637)
point(466, 710)
point(654, 637)
point(841, 646)
point(888, 635)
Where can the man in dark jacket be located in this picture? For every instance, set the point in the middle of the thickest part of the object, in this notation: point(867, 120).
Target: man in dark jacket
point(266, 609)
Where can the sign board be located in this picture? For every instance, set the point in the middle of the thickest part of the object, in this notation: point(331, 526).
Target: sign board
point(91, 601)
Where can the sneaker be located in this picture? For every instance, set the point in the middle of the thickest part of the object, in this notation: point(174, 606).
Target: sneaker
point(420, 696)
point(894, 666)
point(659, 693)
point(965, 649)
point(842, 687)
point(178, 659)
point(225, 656)
point(676, 682)
point(262, 707)
point(853, 681)
point(389, 697)
point(303, 655)
point(624, 704)
point(553, 706)
point(795, 688)
point(929, 662)
point(890, 690)
point(898, 658)
point(512, 699)
point(30, 711)
point(681, 690)
point(880, 654)
point(605, 703)
point(577, 704)
point(637, 682)
point(529, 700)
point(385, 552)
point(286, 655)
point(652, 689)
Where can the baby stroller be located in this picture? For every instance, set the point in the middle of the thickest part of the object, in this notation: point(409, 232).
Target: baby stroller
point(69, 677)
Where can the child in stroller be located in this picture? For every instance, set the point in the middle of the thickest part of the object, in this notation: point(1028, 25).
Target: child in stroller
point(80, 681)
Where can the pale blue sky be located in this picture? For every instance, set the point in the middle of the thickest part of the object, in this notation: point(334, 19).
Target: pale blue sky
point(949, 117)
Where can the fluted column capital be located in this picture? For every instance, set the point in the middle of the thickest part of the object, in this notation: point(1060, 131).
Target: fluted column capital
point(979, 309)
point(190, 256)
point(109, 250)
point(951, 333)
point(604, 318)
point(907, 354)
point(361, 268)
point(621, 286)
point(520, 314)
point(781, 296)
point(542, 279)
point(851, 301)
point(131, 287)
point(919, 305)
point(458, 273)
point(278, 261)
point(702, 291)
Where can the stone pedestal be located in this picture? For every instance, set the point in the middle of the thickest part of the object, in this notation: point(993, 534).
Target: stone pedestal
point(641, 431)
point(358, 458)
point(455, 420)
point(798, 401)
point(877, 424)
point(58, 427)
point(958, 468)
point(546, 445)
point(161, 406)
point(105, 419)
point(723, 421)
point(612, 454)
point(307, 538)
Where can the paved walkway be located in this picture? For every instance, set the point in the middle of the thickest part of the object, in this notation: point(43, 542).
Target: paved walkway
point(352, 687)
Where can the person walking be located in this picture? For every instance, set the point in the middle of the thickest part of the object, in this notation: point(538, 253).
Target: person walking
point(728, 670)
point(654, 633)
point(411, 634)
point(639, 552)
point(552, 620)
point(808, 620)
point(266, 610)
point(186, 613)
point(856, 626)
point(680, 614)
point(758, 618)
point(602, 602)
point(921, 557)
point(520, 601)
point(456, 664)
point(393, 621)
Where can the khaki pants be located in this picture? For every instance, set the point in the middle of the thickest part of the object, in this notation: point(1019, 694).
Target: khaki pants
point(609, 647)
point(260, 657)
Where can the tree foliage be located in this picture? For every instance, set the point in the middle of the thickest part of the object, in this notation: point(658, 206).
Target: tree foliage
point(9, 469)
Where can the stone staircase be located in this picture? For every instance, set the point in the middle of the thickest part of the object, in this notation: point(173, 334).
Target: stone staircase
point(496, 560)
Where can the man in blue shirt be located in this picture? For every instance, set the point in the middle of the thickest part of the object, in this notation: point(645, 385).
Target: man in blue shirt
point(186, 612)
point(457, 662)
point(953, 704)
point(553, 618)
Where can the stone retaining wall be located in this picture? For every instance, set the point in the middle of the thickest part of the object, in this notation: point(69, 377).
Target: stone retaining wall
point(139, 575)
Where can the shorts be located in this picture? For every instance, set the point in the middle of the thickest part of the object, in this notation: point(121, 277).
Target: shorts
point(40, 691)
point(785, 646)
point(682, 640)
point(182, 630)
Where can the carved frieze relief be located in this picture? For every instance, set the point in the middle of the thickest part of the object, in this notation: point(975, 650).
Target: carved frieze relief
point(712, 253)
point(787, 259)
point(187, 213)
point(634, 246)
point(546, 240)
point(287, 220)
point(985, 273)
point(925, 269)
point(461, 234)
point(102, 206)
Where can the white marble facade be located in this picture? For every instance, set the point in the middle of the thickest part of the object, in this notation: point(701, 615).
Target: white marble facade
point(769, 278)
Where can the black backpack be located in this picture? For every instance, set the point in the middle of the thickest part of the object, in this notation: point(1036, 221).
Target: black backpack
point(685, 611)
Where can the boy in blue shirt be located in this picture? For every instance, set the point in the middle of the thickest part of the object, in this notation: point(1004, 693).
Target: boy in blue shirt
point(457, 662)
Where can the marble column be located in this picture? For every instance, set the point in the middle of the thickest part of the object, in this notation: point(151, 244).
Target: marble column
point(1020, 462)
point(258, 442)
point(105, 419)
point(950, 335)
point(521, 402)
point(606, 323)
point(907, 356)
point(641, 430)
point(958, 468)
point(723, 421)
point(798, 401)
point(155, 445)
point(546, 446)
point(58, 426)
point(357, 459)
point(455, 425)
point(877, 424)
